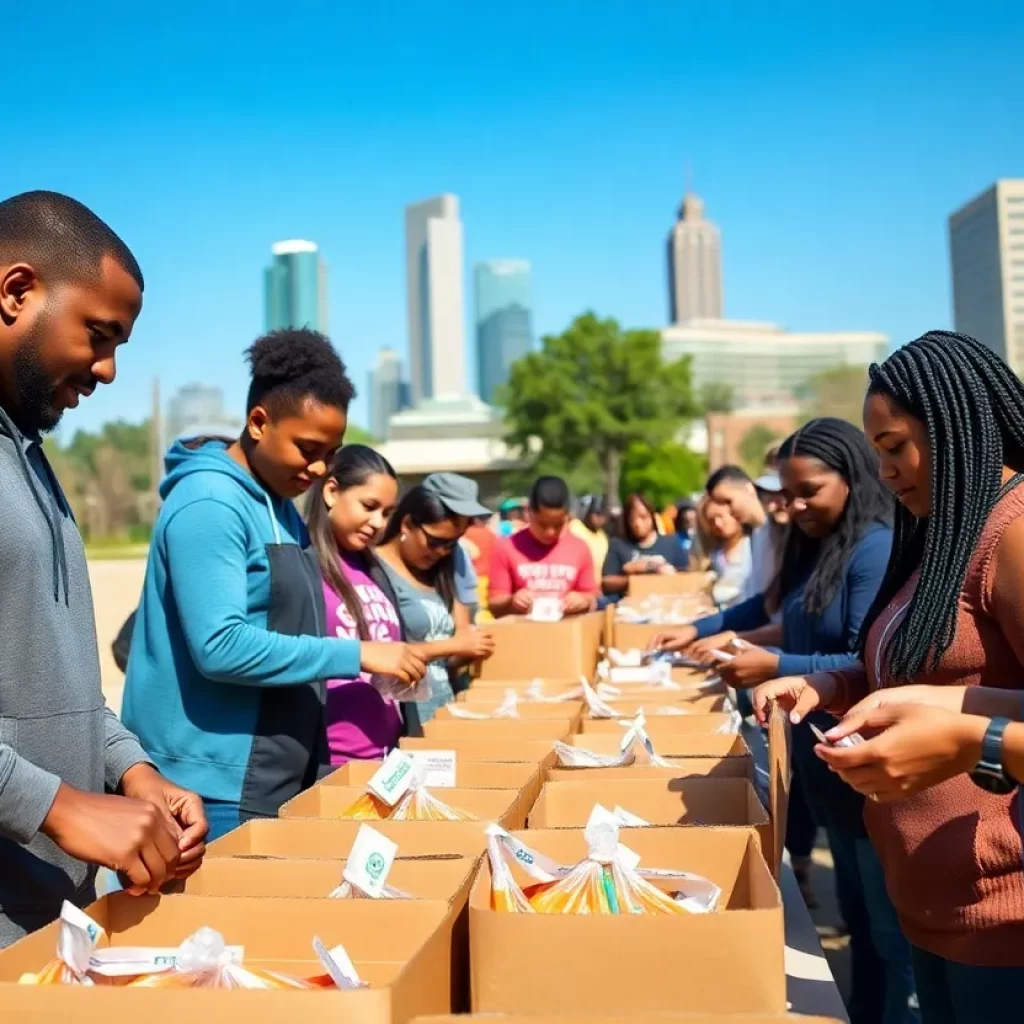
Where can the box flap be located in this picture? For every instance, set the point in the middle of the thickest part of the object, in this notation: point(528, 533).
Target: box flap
point(779, 779)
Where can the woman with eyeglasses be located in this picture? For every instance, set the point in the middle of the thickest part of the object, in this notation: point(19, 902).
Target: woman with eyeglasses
point(418, 551)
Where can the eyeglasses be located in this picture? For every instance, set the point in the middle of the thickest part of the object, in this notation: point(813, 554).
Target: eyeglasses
point(435, 543)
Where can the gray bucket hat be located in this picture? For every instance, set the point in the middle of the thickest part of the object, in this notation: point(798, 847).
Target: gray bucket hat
point(457, 493)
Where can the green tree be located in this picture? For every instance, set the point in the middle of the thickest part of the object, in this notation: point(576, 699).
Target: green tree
point(662, 473)
point(717, 396)
point(596, 388)
point(355, 434)
point(753, 445)
point(837, 392)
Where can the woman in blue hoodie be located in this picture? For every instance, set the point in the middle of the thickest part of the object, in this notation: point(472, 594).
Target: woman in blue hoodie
point(226, 680)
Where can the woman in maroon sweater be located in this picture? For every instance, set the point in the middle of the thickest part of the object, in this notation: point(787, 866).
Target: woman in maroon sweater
point(947, 418)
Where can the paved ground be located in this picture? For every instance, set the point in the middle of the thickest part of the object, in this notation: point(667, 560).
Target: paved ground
point(116, 588)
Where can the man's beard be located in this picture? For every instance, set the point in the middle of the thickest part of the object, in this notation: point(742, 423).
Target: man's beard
point(35, 409)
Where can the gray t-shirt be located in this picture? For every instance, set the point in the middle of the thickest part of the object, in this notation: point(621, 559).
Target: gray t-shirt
point(425, 618)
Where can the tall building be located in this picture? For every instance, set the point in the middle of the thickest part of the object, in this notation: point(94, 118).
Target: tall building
point(389, 393)
point(986, 255)
point(197, 409)
point(295, 287)
point(694, 265)
point(433, 268)
point(504, 330)
point(764, 364)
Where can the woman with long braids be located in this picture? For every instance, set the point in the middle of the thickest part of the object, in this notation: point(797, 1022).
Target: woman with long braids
point(947, 418)
point(832, 567)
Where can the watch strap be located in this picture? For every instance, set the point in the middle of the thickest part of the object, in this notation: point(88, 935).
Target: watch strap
point(992, 744)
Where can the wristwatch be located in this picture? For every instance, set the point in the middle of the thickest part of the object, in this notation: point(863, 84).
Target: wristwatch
point(989, 773)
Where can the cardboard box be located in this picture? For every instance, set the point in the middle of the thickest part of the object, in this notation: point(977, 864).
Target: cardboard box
point(557, 650)
point(657, 585)
point(630, 965)
point(402, 949)
point(730, 758)
point(685, 802)
point(494, 689)
point(652, 700)
point(571, 709)
point(659, 726)
point(468, 774)
point(505, 806)
point(424, 878)
point(445, 733)
point(325, 838)
point(661, 1018)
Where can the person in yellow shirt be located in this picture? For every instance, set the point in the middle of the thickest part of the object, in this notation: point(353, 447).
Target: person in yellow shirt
point(589, 526)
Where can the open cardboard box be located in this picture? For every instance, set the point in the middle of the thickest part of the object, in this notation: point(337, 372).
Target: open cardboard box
point(721, 757)
point(525, 711)
point(326, 838)
point(657, 726)
point(402, 950)
point(669, 584)
point(653, 703)
point(444, 733)
point(661, 1018)
point(468, 774)
point(505, 806)
point(631, 965)
point(558, 650)
point(494, 689)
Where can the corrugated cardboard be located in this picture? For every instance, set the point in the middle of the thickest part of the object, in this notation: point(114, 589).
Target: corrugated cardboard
point(494, 689)
point(660, 725)
point(661, 1018)
point(675, 744)
point(316, 838)
point(402, 949)
point(656, 585)
point(571, 709)
point(505, 806)
point(728, 961)
point(651, 701)
point(684, 802)
point(500, 729)
point(731, 759)
point(468, 774)
point(557, 650)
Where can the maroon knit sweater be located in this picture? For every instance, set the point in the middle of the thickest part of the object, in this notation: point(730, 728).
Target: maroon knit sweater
point(953, 854)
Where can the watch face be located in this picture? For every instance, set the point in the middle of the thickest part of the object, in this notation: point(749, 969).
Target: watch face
point(992, 781)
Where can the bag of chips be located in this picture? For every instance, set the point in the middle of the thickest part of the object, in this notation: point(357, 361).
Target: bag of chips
point(634, 738)
point(397, 792)
point(76, 940)
point(365, 874)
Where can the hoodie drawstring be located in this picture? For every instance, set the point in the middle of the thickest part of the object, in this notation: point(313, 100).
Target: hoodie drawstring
point(49, 509)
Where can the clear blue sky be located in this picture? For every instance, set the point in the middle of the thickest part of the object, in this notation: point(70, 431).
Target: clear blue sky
point(830, 141)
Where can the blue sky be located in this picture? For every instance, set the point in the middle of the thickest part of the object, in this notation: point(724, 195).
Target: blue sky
point(830, 141)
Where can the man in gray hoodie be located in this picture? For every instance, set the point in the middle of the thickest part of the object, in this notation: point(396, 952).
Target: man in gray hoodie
point(76, 789)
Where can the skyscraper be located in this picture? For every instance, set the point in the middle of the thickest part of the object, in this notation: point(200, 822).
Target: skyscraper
point(504, 331)
point(295, 287)
point(389, 394)
point(198, 409)
point(433, 268)
point(694, 265)
point(986, 255)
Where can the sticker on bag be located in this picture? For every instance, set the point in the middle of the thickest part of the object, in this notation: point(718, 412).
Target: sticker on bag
point(438, 767)
point(369, 861)
point(393, 778)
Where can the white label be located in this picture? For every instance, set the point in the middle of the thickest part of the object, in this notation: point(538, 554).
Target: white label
point(602, 835)
point(391, 780)
point(534, 863)
point(629, 820)
point(546, 608)
point(369, 861)
point(338, 965)
point(438, 768)
point(77, 938)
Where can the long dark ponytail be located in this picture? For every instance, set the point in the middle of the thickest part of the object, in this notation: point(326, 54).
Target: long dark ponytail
point(352, 466)
point(972, 405)
point(844, 449)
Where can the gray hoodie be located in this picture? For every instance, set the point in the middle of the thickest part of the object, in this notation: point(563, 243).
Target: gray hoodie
point(54, 724)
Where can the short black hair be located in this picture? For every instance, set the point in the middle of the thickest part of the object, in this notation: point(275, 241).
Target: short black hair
point(61, 239)
point(550, 492)
point(295, 364)
point(727, 475)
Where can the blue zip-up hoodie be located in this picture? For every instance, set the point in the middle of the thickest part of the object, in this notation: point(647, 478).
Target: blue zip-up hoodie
point(201, 652)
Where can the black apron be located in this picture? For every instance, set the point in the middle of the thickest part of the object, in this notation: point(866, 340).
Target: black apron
point(289, 749)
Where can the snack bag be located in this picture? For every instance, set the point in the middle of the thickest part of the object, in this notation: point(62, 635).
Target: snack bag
point(76, 941)
point(366, 869)
point(394, 689)
point(367, 808)
point(396, 791)
point(535, 692)
point(508, 708)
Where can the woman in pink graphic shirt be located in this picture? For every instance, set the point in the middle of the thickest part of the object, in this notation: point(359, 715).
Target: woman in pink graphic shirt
point(545, 559)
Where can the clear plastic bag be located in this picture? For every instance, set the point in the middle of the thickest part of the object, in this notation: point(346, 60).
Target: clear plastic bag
point(348, 891)
point(76, 940)
point(394, 689)
point(417, 803)
point(508, 708)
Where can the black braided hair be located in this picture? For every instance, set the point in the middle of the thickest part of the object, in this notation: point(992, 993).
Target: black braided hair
point(972, 406)
point(843, 448)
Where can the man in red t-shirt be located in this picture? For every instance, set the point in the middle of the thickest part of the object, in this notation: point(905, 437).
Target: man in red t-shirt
point(544, 559)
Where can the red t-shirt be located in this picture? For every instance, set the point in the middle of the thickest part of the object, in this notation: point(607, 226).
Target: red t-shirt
point(482, 541)
point(521, 562)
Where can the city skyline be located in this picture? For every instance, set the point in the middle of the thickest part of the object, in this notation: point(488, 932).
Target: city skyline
point(986, 257)
point(389, 391)
point(295, 287)
point(504, 321)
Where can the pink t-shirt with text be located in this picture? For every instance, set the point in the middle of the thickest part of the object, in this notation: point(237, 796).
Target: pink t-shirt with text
point(361, 724)
point(521, 562)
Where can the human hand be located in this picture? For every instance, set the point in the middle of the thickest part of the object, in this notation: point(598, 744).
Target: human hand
point(522, 601)
point(672, 639)
point(666, 569)
point(638, 567)
point(129, 836)
point(751, 667)
point(701, 650)
point(577, 603)
point(798, 696)
point(402, 661)
point(181, 809)
point(950, 698)
point(474, 644)
point(921, 746)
